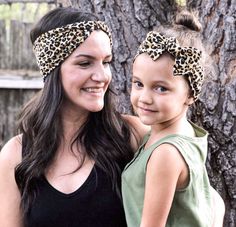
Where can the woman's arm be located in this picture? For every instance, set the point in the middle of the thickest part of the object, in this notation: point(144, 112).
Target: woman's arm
point(10, 156)
point(166, 172)
point(139, 130)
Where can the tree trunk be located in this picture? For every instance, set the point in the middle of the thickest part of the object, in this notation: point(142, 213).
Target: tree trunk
point(130, 20)
point(216, 110)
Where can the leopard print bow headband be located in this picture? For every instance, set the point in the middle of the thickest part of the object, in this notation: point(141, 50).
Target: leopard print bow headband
point(187, 59)
point(54, 46)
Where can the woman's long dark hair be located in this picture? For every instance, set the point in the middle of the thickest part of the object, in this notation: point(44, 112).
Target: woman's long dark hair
point(104, 136)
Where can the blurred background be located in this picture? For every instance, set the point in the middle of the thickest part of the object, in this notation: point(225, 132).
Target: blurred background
point(19, 75)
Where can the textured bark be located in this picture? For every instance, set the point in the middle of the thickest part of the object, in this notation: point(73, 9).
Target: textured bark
point(217, 107)
point(130, 20)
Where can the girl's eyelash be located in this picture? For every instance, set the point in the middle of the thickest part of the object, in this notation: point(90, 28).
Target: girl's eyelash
point(163, 89)
point(137, 83)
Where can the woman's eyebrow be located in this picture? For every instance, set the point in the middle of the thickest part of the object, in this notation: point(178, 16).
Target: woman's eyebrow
point(91, 56)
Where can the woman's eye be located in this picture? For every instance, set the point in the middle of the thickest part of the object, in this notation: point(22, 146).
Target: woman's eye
point(84, 64)
point(106, 62)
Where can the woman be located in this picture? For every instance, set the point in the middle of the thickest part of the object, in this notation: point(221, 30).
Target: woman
point(64, 168)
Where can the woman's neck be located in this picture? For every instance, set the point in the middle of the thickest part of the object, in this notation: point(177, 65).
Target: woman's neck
point(72, 121)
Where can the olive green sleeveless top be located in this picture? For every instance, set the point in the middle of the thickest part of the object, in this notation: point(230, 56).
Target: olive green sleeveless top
point(191, 206)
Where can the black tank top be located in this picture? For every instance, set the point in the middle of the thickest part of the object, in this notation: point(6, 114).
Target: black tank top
point(94, 204)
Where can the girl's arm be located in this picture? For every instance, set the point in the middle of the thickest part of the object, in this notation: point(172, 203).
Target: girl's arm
point(10, 156)
point(166, 172)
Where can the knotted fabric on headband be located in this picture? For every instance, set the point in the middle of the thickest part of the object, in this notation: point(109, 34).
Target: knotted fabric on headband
point(187, 59)
point(54, 46)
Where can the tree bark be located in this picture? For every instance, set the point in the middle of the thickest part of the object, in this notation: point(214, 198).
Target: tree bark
point(216, 110)
point(130, 20)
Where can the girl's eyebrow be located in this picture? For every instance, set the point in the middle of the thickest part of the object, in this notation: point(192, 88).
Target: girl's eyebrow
point(153, 81)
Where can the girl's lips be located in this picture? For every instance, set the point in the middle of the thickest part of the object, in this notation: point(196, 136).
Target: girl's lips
point(146, 109)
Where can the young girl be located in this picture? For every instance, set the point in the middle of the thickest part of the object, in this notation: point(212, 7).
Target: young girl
point(166, 184)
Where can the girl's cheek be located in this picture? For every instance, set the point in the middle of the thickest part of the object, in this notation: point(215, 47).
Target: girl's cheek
point(133, 98)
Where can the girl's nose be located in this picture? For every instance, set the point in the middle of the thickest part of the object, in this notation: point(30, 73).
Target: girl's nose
point(145, 97)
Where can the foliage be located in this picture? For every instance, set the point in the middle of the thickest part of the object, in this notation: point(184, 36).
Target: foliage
point(181, 2)
point(27, 12)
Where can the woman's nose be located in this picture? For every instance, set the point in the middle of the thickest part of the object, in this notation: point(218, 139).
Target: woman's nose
point(100, 74)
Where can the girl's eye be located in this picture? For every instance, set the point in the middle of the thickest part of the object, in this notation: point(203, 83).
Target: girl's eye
point(160, 89)
point(137, 84)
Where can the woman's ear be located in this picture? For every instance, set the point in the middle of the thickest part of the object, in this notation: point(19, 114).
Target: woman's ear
point(189, 101)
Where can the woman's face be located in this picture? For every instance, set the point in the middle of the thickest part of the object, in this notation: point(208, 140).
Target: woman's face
point(86, 74)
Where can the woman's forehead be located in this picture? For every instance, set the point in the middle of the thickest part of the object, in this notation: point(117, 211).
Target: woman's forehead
point(98, 43)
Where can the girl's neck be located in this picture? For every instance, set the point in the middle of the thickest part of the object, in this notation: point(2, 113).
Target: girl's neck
point(176, 126)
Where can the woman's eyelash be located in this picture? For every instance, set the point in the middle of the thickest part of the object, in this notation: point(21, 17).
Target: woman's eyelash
point(84, 63)
point(108, 61)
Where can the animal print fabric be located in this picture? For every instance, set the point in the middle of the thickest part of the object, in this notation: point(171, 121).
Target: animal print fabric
point(54, 46)
point(187, 59)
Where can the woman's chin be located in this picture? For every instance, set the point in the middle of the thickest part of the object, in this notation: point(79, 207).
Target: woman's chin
point(96, 108)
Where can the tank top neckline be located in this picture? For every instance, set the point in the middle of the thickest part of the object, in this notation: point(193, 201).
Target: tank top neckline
point(90, 177)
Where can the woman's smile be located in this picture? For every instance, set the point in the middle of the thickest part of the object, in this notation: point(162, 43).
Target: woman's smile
point(95, 91)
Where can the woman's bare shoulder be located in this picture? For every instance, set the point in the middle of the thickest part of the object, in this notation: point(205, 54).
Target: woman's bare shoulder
point(10, 154)
point(135, 122)
point(10, 157)
point(139, 130)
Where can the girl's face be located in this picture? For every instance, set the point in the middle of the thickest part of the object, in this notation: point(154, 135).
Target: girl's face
point(86, 74)
point(157, 95)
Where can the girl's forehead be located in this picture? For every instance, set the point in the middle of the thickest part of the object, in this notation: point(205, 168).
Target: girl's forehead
point(146, 58)
point(158, 71)
point(145, 62)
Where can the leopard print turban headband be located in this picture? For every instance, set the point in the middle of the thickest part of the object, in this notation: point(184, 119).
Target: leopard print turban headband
point(54, 46)
point(187, 59)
